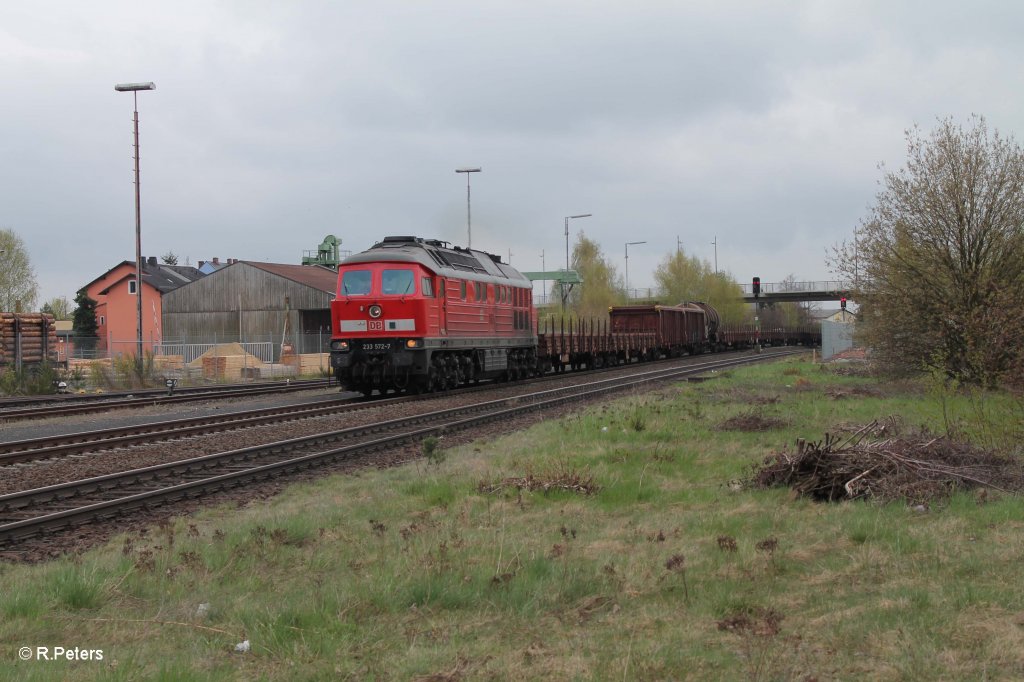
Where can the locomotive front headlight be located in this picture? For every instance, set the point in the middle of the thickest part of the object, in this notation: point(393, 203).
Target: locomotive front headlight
point(413, 343)
point(339, 345)
point(375, 311)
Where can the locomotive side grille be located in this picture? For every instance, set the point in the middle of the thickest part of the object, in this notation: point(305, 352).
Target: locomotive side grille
point(457, 261)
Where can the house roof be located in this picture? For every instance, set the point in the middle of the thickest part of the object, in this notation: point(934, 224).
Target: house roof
point(107, 273)
point(163, 278)
point(314, 276)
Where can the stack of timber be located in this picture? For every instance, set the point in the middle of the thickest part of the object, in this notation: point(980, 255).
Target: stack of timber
point(27, 339)
point(308, 363)
point(169, 363)
point(227, 361)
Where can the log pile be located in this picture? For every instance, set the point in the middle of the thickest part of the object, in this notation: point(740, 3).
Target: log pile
point(27, 339)
point(874, 463)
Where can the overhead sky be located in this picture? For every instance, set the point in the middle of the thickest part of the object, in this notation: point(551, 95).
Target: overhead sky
point(759, 126)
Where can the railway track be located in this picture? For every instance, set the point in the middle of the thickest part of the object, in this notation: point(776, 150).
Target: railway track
point(32, 513)
point(50, 447)
point(51, 406)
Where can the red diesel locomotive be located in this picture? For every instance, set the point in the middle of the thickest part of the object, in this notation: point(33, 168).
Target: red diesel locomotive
point(421, 315)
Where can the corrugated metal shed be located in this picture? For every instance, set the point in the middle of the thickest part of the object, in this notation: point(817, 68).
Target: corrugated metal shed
point(835, 338)
point(250, 301)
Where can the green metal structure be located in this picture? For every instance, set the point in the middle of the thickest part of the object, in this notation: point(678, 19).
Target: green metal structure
point(328, 254)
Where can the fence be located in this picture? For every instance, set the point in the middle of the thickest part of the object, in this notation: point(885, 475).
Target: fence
point(265, 347)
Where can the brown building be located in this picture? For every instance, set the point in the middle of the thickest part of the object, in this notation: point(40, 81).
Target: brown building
point(252, 302)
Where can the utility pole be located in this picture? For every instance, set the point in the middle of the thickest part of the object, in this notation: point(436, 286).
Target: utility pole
point(544, 282)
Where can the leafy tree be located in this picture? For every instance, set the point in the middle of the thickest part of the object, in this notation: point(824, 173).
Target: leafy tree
point(59, 307)
point(938, 263)
point(601, 286)
point(684, 278)
point(169, 258)
point(18, 287)
point(84, 321)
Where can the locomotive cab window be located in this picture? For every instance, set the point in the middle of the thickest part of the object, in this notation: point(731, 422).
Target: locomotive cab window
point(356, 283)
point(462, 290)
point(427, 285)
point(397, 282)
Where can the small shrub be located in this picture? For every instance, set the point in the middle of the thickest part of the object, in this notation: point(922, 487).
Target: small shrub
point(434, 454)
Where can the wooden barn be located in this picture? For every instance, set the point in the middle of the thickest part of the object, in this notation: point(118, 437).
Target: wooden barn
point(252, 302)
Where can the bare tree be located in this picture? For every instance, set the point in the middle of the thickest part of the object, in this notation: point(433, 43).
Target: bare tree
point(939, 260)
point(18, 287)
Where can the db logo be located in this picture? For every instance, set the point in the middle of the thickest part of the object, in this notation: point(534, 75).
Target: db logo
point(376, 325)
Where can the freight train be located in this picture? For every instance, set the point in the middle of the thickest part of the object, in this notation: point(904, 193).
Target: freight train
point(420, 315)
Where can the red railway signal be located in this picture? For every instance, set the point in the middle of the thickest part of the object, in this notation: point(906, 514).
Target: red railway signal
point(757, 286)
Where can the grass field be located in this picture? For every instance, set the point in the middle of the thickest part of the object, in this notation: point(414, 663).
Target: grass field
point(646, 557)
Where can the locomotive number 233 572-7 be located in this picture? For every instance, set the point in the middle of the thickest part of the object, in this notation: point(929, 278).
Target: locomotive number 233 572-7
point(377, 346)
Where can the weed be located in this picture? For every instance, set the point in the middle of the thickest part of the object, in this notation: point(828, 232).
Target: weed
point(432, 452)
point(72, 588)
point(768, 547)
point(29, 380)
point(757, 629)
point(637, 420)
point(677, 564)
point(727, 543)
point(694, 409)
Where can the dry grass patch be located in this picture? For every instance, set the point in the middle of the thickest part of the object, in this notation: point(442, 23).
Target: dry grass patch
point(752, 420)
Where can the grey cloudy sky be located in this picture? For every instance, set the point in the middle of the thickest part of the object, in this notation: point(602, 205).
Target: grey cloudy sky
point(276, 123)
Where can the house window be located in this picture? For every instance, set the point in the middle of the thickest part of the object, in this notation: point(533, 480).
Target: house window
point(131, 287)
point(103, 320)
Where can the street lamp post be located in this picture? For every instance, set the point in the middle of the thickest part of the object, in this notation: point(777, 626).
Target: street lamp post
point(134, 89)
point(629, 244)
point(469, 224)
point(567, 219)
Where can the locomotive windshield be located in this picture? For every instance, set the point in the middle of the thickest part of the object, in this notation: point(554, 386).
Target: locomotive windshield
point(356, 283)
point(397, 282)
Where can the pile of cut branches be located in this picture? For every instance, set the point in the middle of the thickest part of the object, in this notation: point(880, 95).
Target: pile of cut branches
point(871, 463)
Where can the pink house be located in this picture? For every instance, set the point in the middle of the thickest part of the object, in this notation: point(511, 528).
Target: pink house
point(116, 304)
